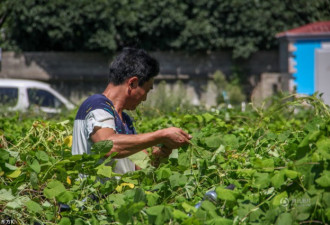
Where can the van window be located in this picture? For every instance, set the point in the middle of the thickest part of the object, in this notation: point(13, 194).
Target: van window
point(43, 98)
point(8, 96)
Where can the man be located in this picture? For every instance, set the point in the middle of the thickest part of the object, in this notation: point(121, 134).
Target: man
point(101, 116)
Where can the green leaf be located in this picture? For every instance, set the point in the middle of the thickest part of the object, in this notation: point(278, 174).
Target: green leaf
point(284, 219)
point(177, 179)
point(188, 208)
point(41, 155)
point(323, 146)
point(104, 170)
point(281, 199)
point(79, 221)
point(159, 214)
point(35, 166)
point(324, 180)
point(18, 202)
point(65, 196)
point(179, 215)
point(33, 207)
point(15, 174)
point(163, 173)
point(141, 159)
point(230, 140)
point(6, 195)
point(102, 147)
point(266, 165)
point(261, 180)
point(53, 189)
point(11, 167)
point(291, 174)
point(65, 221)
point(226, 194)
point(213, 141)
point(184, 159)
point(34, 180)
point(278, 179)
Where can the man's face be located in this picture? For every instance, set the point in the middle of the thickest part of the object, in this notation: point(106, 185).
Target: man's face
point(139, 94)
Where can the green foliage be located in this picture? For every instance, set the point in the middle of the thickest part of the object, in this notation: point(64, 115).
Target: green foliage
point(278, 159)
point(242, 26)
point(232, 89)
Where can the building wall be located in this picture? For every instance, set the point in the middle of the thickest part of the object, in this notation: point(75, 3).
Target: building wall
point(78, 75)
point(305, 59)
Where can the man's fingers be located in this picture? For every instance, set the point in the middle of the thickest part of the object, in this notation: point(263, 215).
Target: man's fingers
point(188, 136)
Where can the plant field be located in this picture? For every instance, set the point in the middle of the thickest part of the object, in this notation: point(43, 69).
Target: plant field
point(277, 160)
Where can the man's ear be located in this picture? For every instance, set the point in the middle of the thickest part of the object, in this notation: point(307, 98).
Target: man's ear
point(133, 82)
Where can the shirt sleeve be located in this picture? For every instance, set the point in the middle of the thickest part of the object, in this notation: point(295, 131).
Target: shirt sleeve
point(99, 118)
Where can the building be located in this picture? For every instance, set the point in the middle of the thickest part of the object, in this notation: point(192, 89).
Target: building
point(305, 56)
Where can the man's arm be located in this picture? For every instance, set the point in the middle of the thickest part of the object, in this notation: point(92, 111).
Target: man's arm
point(126, 145)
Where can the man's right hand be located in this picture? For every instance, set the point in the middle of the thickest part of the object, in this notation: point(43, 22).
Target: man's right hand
point(174, 137)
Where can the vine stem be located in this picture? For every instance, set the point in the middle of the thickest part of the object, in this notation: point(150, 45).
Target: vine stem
point(255, 208)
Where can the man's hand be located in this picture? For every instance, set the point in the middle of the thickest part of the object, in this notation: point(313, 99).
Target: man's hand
point(174, 137)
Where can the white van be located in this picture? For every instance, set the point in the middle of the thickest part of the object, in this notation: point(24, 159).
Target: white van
point(24, 95)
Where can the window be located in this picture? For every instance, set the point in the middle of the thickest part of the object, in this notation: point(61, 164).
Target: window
point(43, 98)
point(8, 96)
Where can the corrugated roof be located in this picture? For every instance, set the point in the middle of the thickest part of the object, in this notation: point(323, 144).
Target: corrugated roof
point(317, 28)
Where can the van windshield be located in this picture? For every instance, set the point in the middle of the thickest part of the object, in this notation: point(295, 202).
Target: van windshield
point(8, 96)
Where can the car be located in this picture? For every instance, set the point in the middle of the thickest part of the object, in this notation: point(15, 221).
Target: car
point(25, 95)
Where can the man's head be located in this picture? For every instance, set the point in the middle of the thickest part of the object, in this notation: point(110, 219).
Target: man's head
point(133, 62)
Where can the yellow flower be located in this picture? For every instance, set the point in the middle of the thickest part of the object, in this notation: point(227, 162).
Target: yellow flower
point(119, 188)
point(68, 180)
point(68, 141)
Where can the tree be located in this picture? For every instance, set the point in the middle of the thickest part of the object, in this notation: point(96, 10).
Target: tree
point(240, 26)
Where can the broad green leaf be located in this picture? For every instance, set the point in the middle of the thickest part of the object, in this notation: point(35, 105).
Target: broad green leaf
point(261, 180)
point(110, 210)
point(188, 208)
point(15, 174)
point(6, 195)
point(281, 199)
point(184, 159)
point(33, 207)
point(226, 194)
point(213, 141)
point(41, 155)
point(284, 219)
point(35, 166)
point(264, 164)
point(34, 180)
point(323, 146)
point(278, 179)
point(79, 221)
point(177, 214)
point(152, 198)
point(53, 189)
point(18, 202)
point(102, 147)
point(177, 179)
point(104, 170)
point(159, 214)
point(324, 180)
point(65, 196)
point(220, 221)
point(163, 173)
point(11, 167)
point(141, 159)
point(230, 140)
point(291, 174)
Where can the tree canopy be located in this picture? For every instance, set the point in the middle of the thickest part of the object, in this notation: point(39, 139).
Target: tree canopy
point(241, 26)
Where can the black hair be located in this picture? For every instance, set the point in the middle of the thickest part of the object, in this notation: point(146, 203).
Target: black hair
point(133, 62)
